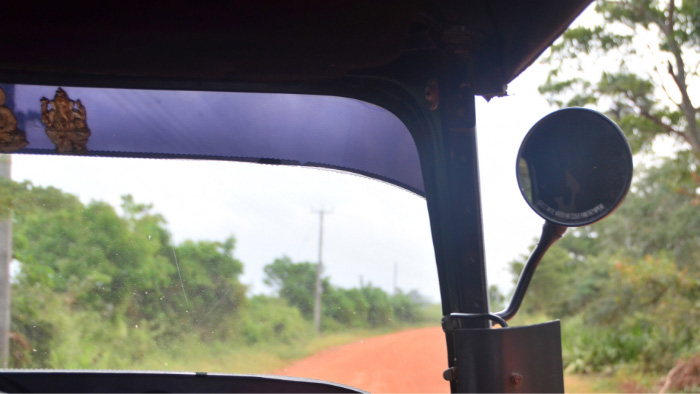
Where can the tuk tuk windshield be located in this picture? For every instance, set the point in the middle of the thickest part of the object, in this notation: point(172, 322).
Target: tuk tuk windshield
point(210, 265)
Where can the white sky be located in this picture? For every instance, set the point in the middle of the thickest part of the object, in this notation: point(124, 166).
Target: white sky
point(269, 208)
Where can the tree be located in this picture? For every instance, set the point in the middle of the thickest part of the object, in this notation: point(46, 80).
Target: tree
point(206, 286)
point(404, 308)
point(294, 282)
point(348, 307)
point(629, 282)
point(88, 274)
point(366, 306)
point(633, 277)
point(380, 312)
point(497, 301)
point(655, 218)
point(654, 221)
point(652, 47)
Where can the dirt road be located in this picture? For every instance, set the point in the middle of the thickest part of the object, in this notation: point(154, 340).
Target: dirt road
point(407, 361)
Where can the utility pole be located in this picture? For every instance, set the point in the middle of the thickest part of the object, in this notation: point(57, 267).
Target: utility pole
point(5, 259)
point(7, 98)
point(396, 274)
point(319, 273)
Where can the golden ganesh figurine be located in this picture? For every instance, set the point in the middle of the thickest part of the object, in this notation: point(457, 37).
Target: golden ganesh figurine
point(11, 138)
point(66, 123)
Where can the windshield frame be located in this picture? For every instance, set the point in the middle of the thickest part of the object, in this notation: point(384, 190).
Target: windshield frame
point(445, 138)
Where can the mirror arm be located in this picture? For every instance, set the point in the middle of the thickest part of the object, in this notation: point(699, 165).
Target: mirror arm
point(551, 233)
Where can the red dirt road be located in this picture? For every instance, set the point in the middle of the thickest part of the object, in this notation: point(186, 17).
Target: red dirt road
point(405, 362)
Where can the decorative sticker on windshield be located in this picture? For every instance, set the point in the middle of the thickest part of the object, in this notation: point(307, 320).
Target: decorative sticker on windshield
point(12, 139)
point(66, 123)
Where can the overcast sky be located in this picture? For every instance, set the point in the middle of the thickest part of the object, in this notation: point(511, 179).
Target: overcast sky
point(373, 226)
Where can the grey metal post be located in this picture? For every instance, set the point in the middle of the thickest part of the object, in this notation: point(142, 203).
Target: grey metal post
point(319, 272)
point(5, 260)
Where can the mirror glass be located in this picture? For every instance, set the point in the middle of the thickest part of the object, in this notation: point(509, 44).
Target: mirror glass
point(574, 167)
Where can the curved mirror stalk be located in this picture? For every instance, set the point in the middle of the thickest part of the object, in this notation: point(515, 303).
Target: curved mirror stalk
point(551, 233)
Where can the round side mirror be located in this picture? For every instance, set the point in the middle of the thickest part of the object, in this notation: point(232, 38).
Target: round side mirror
point(574, 167)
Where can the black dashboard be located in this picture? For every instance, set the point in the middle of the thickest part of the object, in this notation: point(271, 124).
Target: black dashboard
point(44, 381)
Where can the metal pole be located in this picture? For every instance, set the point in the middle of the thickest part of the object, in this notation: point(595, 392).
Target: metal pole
point(5, 260)
point(451, 175)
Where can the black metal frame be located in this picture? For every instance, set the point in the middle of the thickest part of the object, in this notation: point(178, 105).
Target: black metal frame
point(446, 143)
point(524, 359)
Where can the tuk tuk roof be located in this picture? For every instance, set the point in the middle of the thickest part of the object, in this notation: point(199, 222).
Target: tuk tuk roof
point(276, 40)
point(342, 48)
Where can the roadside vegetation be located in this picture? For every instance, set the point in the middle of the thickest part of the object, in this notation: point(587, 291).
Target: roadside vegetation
point(627, 289)
point(97, 289)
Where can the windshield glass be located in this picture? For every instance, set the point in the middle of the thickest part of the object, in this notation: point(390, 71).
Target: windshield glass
point(196, 265)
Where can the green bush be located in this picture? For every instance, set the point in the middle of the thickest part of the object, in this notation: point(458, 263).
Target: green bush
point(268, 319)
point(646, 315)
point(100, 289)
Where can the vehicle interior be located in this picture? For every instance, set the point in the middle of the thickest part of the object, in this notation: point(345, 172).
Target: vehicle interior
point(385, 90)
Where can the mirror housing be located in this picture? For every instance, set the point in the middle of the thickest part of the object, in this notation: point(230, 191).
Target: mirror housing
point(574, 167)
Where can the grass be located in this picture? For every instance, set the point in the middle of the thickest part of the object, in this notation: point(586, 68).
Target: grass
point(219, 357)
point(591, 383)
point(620, 382)
point(578, 384)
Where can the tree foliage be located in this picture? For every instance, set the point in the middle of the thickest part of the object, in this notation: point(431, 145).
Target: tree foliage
point(102, 288)
point(366, 306)
point(637, 64)
point(295, 282)
point(630, 284)
point(88, 262)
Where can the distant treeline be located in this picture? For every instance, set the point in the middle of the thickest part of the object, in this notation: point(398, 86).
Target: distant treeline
point(96, 289)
